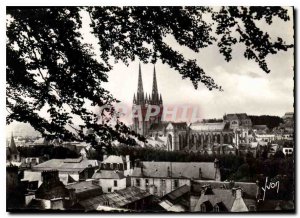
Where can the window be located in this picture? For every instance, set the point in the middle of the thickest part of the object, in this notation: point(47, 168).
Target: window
point(138, 182)
point(251, 208)
point(147, 182)
point(109, 190)
point(203, 208)
point(176, 183)
point(216, 208)
point(115, 183)
point(163, 182)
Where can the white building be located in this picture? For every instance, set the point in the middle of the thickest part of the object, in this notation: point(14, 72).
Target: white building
point(114, 173)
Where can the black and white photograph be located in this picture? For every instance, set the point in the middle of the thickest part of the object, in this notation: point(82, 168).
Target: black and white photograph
point(150, 109)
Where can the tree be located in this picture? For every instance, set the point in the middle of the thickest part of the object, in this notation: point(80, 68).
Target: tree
point(48, 66)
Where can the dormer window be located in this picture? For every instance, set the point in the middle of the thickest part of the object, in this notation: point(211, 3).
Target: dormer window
point(216, 208)
point(252, 208)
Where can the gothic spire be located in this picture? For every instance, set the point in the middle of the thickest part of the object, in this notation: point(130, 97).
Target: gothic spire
point(140, 91)
point(160, 99)
point(13, 147)
point(154, 88)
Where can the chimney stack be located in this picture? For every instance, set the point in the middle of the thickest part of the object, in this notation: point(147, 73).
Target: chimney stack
point(50, 177)
point(200, 173)
point(169, 172)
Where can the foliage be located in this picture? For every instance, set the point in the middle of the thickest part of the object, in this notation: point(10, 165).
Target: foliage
point(270, 121)
point(49, 68)
point(48, 151)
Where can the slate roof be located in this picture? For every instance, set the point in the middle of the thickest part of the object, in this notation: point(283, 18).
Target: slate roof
point(108, 174)
point(178, 170)
point(208, 126)
point(249, 188)
point(85, 189)
point(177, 193)
point(242, 116)
point(66, 165)
point(231, 117)
point(118, 199)
point(114, 159)
point(83, 186)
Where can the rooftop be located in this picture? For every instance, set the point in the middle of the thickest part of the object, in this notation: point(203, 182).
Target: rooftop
point(177, 170)
point(71, 165)
point(208, 126)
point(108, 174)
point(117, 199)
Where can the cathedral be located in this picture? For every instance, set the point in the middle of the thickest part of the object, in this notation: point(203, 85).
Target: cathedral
point(143, 102)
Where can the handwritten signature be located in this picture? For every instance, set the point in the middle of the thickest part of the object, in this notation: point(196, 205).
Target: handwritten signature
point(272, 185)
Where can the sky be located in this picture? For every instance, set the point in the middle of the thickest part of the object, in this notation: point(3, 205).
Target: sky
point(247, 89)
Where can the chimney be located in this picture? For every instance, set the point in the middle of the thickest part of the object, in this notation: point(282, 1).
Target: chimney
point(216, 163)
point(169, 172)
point(200, 173)
point(128, 162)
point(50, 177)
point(104, 157)
point(137, 163)
point(142, 168)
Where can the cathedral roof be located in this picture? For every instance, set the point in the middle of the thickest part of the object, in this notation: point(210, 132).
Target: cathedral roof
point(158, 126)
point(208, 126)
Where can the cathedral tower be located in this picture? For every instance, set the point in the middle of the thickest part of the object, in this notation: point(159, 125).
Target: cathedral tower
point(141, 103)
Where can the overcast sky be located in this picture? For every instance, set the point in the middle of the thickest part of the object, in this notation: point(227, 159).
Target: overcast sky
point(247, 89)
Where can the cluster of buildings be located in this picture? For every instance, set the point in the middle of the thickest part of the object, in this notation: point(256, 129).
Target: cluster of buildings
point(234, 133)
point(119, 184)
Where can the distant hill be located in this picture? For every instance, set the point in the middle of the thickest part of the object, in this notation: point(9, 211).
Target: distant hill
point(270, 121)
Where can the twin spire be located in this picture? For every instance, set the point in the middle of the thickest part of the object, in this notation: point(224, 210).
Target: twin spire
point(140, 98)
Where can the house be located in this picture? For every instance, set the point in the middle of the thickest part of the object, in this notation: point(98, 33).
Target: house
point(161, 178)
point(238, 121)
point(223, 200)
point(113, 173)
point(131, 198)
point(52, 194)
point(70, 169)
